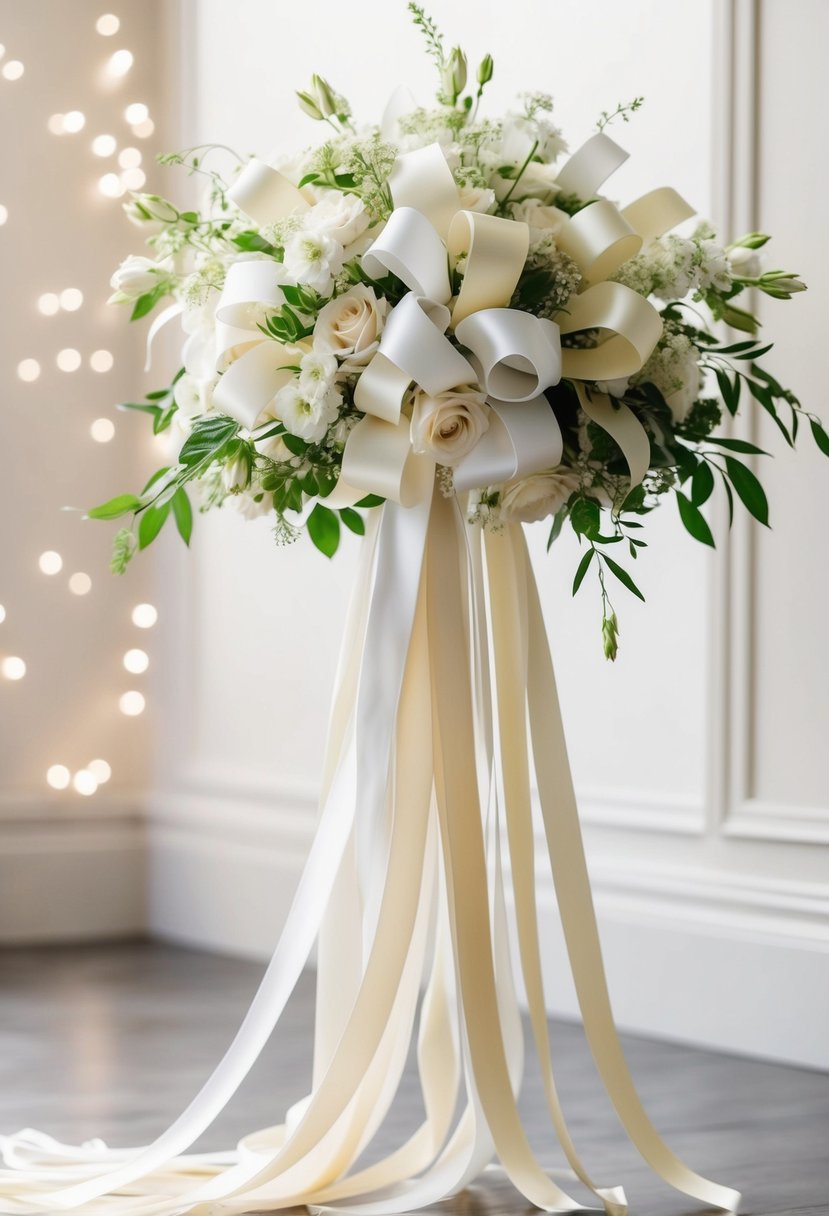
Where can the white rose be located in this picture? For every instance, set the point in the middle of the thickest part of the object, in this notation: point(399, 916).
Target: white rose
point(341, 216)
point(193, 396)
point(448, 426)
point(313, 258)
point(307, 414)
point(136, 276)
point(537, 181)
point(541, 494)
point(538, 215)
point(350, 324)
point(476, 198)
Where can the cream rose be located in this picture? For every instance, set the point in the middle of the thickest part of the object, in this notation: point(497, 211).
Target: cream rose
point(350, 324)
point(448, 426)
point(340, 216)
point(541, 494)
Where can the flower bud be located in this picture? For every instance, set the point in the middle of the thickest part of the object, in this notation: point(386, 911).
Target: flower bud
point(485, 69)
point(309, 106)
point(325, 95)
point(454, 73)
point(752, 240)
point(136, 276)
point(236, 473)
point(610, 636)
point(780, 285)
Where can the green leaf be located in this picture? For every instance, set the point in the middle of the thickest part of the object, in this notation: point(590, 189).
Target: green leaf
point(702, 484)
point(584, 517)
point(324, 529)
point(693, 519)
point(555, 530)
point(307, 179)
point(582, 568)
point(150, 524)
point(122, 504)
point(370, 500)
point(148, 301)
point(737, 445)
point(729, 390)
point(206, 440)
point(820, 436)
point(622, 576)
point(295, 445)
point(183, 513)
point(353, 520)
point(748, 489)
point(252, 242)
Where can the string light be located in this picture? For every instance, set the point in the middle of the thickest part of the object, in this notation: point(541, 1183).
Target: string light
point(129, 158)
point(136, 661)
point(101, 360)
point(133, 179)
point(100, 770)
point(55, 124)
point(58, 776)
point(2, 614)
point(4, 214)
point(80, 583)
point(73, 122)
point(104, 145)
point(143, 130)
point(28, 370)
point(71, 299)
point(13, 667)
point(13, 70)
point(119, 63)
point(102, 430)
point(111, 186)
point(68, 359)
point(2, 50)
point(144, 616)
point(50, 562)
point(85, 783)
point(48, 304)
point(132, 704)
point(136, 113)
point(107, 25)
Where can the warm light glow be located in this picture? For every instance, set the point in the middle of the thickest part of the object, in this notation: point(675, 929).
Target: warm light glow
point(133, 179)
point(111, 186)
point(28, 370)
point(132, 704)
point(136, 661)
point(129, 158)
point(102, 430)
point(108, 24)
point(13, 70)
point(80, 583)
point(48, 304)
point(137, 112)
point(104, 145)
point(4, 214)
point(100, 770)
point(13, 668)
point(85, 783)
point(101, 360)
point(73, 122)
point(144, 616)
point(71, 298)
point(120, 63)
point(2, 614)
point(69, 359)
point(50, 562)
point(144, 129)
point(58, 776)
point(55, 124)
point(2, 50)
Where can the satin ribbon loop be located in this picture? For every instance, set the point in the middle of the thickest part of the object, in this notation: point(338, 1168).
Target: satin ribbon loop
point(423, 180)
point(633, 329)
point(523, 437)
point(264, 194)
point(410, 247)
point(599, 239)
point(379, 459)
point(622, 425)
point(590, 166)
point(517, 355)
point(250, 383)
point(496, 250)
point(657, 212)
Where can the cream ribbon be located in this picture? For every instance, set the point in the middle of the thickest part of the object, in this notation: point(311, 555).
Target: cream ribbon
point(512, 355)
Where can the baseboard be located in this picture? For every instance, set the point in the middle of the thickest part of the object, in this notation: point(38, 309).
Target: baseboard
point(67, 879)
point(717, 960)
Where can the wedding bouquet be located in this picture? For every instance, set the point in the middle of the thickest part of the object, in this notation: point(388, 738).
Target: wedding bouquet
point(445, 295)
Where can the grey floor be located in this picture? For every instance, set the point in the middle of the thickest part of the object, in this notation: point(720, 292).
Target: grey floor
point(112, 1041)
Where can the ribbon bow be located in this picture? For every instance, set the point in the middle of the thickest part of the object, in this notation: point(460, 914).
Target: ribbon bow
point(512, 355)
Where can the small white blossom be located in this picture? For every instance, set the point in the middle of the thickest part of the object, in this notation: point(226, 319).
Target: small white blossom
point(313, 258)
point(307, 414)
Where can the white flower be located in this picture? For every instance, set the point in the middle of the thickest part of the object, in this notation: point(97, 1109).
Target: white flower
point(714, 267)
point(136, 276)
point(317, 372)
point(521, 136)
point(614, 388)
point(541, 216)
point(194, 396)
point(745, 263)
point(251, 503)
point(313, 258)
point(236, 474)
point(674, 369)
point(537, 181)
point(541, 494)
point(350, 324)
point(307, 414)
point(448, 426)
point(340, 216)
point(272, 448)
point(476, 198)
